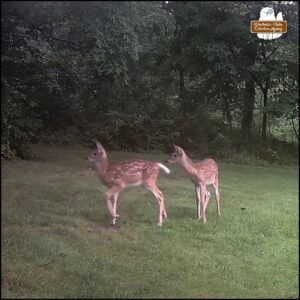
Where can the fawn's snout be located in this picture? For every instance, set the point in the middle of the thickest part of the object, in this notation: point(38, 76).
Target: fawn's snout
point(92, 157)
point(170, 161)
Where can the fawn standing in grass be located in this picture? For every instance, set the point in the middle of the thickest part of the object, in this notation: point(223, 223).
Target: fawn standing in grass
point(202, 174)
point(120, 175)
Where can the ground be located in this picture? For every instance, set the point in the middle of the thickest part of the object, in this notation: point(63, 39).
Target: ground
point(57, 241)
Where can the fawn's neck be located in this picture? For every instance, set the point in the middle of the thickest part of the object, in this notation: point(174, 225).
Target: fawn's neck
point(188, 165)
point(101, 166)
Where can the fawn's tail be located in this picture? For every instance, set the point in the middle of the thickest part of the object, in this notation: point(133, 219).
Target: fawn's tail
point(164, 168)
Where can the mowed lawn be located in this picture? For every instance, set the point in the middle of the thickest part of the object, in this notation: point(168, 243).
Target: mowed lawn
point(57, 241)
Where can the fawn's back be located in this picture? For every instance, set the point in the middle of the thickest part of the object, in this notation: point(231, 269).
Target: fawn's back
point(207, 169)
point(131, 172)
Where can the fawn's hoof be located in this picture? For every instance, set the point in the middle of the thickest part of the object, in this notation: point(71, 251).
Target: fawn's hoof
point(159, 224)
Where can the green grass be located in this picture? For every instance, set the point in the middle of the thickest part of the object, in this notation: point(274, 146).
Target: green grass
point(57, 241)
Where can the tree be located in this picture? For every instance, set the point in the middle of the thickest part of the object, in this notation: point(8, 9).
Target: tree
point(142, 74)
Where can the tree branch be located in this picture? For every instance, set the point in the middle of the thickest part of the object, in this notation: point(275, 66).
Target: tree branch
point(70, 43)
point(256, 80)
point(273, 51)
point(295, 131)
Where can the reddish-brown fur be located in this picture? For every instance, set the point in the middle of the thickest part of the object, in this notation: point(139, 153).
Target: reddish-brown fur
point(120, 175)
point(202, 174)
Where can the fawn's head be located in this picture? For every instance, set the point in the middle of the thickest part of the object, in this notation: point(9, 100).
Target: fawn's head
point(98, 154)
point(177, 155)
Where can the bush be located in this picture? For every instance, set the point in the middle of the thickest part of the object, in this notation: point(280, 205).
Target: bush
point(19, 125)
point(68, 136)
point(6, 151)
point(129, 132)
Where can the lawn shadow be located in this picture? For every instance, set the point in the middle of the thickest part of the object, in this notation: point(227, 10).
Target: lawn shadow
point(97, 219)
point(182, 212)
point(102, 221)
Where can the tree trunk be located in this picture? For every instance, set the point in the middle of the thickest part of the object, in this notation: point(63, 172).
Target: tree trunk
point(227, 112)
point(264, 121)
point(183, 106)
point(295, 131)
point(248, 108)
point(182, 91)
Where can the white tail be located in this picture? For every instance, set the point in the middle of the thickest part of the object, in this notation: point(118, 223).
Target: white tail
point(202, 174)
point(123, 174)
point(164, 168)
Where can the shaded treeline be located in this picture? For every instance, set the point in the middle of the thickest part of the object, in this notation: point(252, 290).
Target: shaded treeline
point(142, 75)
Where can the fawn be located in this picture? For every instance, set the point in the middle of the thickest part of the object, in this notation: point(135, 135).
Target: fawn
point(202, 174)
point(127, 173)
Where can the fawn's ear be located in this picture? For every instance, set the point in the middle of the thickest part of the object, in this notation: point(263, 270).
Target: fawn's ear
point(100, 148)
point(178, 150)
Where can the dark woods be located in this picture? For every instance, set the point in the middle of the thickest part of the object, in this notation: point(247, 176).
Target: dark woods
point(142, 75)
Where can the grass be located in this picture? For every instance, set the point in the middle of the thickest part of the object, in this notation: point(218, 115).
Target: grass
point(57, 241)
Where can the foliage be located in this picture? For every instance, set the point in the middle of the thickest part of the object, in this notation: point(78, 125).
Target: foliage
point(19, 124)
point(143, 75)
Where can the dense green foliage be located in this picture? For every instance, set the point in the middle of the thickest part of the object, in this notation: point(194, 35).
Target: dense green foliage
point(57, 242)
point(142, 75)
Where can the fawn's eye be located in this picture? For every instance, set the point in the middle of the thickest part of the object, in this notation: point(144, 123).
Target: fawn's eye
point(95, 153)
point(175, 155)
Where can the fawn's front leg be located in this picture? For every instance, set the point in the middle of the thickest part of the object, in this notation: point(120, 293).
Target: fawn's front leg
point(203, 195)
point(112, 196)
point(198, 199)
point(114, 200)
